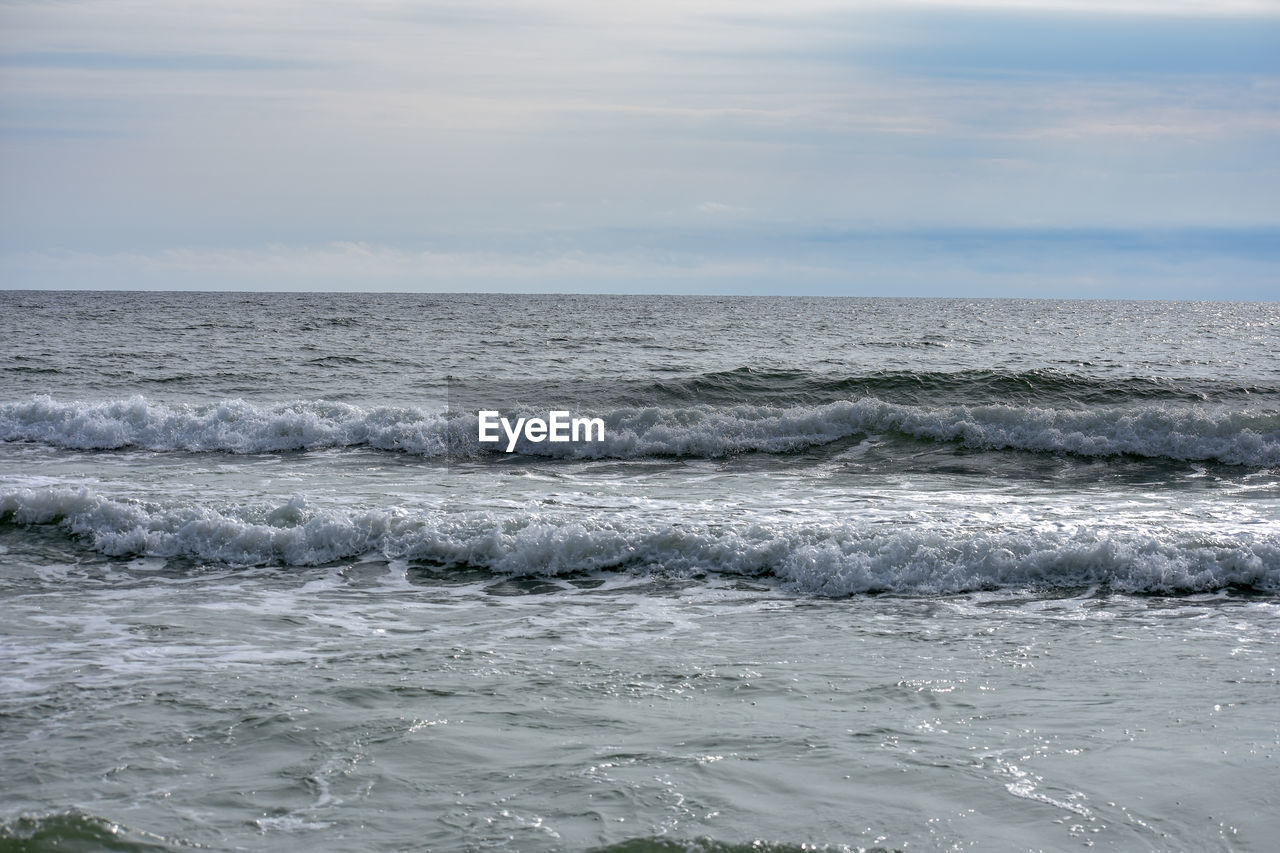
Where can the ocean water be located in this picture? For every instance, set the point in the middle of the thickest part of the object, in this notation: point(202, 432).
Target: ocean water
point(843, 574)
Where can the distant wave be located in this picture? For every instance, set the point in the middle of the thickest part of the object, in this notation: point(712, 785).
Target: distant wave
point(832, 559)
point(1169, 431)
point(964, 387)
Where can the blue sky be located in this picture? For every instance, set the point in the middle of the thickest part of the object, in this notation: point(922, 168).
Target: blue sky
point(908, 148)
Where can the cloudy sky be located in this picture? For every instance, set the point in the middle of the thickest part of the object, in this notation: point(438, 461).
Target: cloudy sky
point(1071, 148)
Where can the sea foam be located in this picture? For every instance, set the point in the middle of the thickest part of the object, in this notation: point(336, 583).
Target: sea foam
point(1161, 430)
point(830, 558)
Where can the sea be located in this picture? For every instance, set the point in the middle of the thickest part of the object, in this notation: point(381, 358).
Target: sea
point(841, 574)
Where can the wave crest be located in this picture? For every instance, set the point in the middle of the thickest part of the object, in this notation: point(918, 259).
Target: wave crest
point(831, 559)
point(1178, 432)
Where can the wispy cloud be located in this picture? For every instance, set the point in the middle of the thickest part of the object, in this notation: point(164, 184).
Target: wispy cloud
point(1062, 43)
point(129, 61)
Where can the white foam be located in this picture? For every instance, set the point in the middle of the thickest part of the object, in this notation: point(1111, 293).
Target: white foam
point(1173, 431)
point(835, 558)
point(233, 426)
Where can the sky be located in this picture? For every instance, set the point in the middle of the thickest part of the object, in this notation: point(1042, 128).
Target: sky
point(948, 148)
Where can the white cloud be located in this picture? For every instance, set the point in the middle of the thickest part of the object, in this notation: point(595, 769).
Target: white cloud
point(455, 125)
point(1118, 7)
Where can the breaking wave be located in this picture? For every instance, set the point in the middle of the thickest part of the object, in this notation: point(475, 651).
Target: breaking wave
point(829, 558)
point(1166, 430)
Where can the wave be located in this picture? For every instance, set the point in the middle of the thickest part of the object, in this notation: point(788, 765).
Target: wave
point(965, 387)
point(232, 426)
point(77, 830)
point(1162, 431)
point(830, 559)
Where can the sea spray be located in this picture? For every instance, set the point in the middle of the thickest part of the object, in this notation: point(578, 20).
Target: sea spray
point(1215, 433)
point(828, 558)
